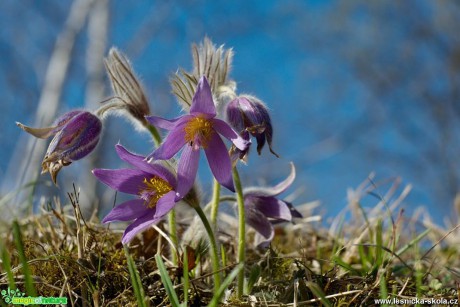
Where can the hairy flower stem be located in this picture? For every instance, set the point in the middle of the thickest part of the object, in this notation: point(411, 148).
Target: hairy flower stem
point(215, 203)
point(172, 214)
point(155, 135)
point(173, 235)
point(213, 250)
point(241, 228)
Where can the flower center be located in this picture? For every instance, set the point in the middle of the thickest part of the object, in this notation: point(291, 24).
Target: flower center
point(198, 130)
point(155, 188)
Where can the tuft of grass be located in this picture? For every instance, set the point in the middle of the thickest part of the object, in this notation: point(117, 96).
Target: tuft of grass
point(19, 243)
point(59, 253)
point(167, 283)
point(6, 264)
point(135, 279)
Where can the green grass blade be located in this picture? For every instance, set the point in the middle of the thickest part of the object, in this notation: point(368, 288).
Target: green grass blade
point(186, 279)
point(383, 286)
point(28, 280)
point(365, 261)
point(135, 279)
point(228, 280)
point(412, 243)
point(167, 283)
point(6, 264)
point(253, 277)
point(345, 265)
point(318, 292)
point(379, 243)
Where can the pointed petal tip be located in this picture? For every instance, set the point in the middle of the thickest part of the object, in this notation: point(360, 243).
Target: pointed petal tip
point(203, 79)
point(229, 185)
point(202, 102)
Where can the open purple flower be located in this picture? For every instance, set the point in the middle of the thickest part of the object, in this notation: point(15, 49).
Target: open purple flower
point(199, 129)
point(263, 209)
point(152, 183)
point(76, 134)
point(249, 116)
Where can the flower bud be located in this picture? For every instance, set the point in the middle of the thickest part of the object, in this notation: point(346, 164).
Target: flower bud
point(76, 134)
point(249, 116)
point(127, 86)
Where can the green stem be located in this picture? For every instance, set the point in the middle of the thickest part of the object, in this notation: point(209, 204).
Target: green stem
point(155, 135)
point(215, 203)
point(241, 229)
point(214, 250)
point(173, 235)
point(172, 214)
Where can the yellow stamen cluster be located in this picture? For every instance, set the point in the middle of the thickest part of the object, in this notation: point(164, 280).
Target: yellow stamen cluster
point(198, 128)
point(156, 187)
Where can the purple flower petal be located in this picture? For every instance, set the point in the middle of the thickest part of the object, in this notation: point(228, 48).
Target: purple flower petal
point(259, 222)
point(138, 226)
point(219, 161)
point(127, 211)
point(224, 129)
point(64, 119)
point(260, 142)
point(294, 211)
point(255, 110)
point(152, 216)
point(202, 103)
point(163, 123)
point(165, 204)
point(270, 207)
point(261, 242)
point(131, 158)
point(173, 143)
point(124, 180)
point(278, 189)
point(78, 137)
point(234, 115)
point(186, 170)
point(139, 162)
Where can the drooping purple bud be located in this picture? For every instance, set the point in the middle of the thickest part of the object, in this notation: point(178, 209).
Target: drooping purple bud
point(263, 208)
point(249, 115)
point(76, 134)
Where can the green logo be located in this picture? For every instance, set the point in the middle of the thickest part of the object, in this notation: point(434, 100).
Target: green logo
point(16, 297)
point(9, 294)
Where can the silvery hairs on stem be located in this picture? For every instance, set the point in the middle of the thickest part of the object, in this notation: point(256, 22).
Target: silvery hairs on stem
point(129, 94)
point(213, 63)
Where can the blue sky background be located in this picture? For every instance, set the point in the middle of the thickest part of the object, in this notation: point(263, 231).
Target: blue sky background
point(353, 87)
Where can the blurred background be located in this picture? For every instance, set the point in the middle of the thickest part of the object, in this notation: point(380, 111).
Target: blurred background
point(354, 88)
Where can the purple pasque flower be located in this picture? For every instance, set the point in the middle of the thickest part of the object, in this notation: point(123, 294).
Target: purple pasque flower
point(199, 129)
point(249, 116)
point(263, 208)
point(76, 134)
point(153, 184)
